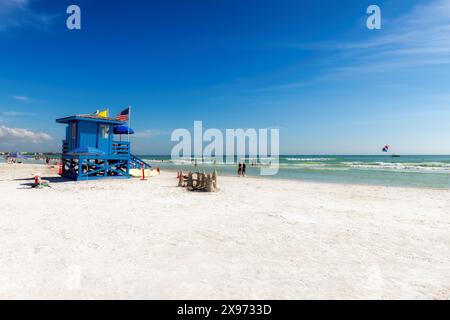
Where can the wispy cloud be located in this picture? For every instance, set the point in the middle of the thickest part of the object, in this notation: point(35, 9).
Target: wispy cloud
point(17, 114)
point(283, 87)
point(417, 38)
point(151, 133)
point(17, 135)
point(18, 13)
point(22, 98)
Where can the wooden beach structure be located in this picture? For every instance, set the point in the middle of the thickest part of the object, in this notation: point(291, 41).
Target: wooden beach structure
point(198, 181)
point(92, 151)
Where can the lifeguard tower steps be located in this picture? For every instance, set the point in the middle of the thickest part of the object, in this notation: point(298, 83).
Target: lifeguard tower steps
point(136, 163)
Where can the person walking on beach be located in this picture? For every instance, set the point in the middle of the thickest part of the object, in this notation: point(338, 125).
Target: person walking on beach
point(243, 169)
point(239, 169)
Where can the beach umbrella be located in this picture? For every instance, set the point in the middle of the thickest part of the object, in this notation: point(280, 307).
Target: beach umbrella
point(122, 130)
point(16, 155)
point(86, 151)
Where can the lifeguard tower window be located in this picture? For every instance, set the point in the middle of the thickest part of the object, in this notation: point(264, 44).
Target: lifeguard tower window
point(104, 131)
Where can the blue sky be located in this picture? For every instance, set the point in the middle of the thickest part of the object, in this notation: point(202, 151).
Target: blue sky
point(311, 69)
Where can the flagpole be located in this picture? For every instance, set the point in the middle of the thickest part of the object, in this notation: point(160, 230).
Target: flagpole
point(129, 126)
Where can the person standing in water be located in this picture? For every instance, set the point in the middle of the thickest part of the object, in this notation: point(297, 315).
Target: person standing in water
point(243, 169)
point(239, 169)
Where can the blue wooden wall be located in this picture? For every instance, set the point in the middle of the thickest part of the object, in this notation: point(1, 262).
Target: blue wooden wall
point(88, 133)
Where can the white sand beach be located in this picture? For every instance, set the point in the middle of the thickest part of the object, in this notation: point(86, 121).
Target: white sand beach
point(255, 239)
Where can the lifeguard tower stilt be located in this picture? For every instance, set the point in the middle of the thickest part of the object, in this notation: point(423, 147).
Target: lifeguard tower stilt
point(90, 151)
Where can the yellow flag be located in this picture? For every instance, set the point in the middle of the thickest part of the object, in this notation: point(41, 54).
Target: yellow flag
point(103, 114)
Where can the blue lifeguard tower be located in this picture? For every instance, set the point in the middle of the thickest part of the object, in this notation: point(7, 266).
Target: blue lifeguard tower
point(90, 150)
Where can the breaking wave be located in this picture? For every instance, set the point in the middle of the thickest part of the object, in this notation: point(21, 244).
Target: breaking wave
point(418, 167)
point(310, 159)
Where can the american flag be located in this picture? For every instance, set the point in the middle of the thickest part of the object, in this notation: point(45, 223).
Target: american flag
point(124, 115)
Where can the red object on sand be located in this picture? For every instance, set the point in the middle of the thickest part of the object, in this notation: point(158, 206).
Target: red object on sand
point(143, 172)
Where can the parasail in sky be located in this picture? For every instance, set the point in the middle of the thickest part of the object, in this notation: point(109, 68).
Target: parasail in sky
point(386, 148)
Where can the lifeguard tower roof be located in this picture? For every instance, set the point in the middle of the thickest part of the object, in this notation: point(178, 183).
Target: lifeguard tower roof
point(87, 117)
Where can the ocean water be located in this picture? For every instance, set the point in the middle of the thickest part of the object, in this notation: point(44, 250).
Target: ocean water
point(408, 171)
point(384, 170)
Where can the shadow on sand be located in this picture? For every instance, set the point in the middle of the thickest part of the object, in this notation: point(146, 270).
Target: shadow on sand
point(29, 182)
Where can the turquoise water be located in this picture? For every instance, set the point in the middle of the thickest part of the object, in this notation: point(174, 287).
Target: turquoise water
point(410, 171)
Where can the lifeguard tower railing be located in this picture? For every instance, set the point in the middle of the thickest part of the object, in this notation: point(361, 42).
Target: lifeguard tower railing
point(138, 163)
point(65, 147)
point(120, 149)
